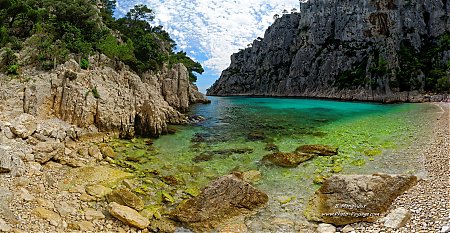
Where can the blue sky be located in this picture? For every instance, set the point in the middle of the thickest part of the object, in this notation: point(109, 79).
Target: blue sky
point(210, 31)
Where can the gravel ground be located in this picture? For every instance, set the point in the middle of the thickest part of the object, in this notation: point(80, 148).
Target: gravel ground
point(429, 200)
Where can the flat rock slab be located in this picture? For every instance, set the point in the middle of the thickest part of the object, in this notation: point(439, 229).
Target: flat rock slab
point(345, 199)
point(397, 218)
point(128, 215)
point(126, 197)
point(224, 198)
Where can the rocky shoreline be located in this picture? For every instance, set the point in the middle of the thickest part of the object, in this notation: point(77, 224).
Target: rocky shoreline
point(43, 192)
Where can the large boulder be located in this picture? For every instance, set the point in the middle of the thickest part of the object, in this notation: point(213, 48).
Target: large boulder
point(24, 125)
point(45, 151)
point(226, 197)
point(10, 161)
point(345, 199)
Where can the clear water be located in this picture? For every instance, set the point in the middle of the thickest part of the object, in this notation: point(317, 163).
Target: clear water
point(371, 138)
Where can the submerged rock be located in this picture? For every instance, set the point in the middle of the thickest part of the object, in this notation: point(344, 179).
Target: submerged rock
point(256, 136)
point(208, 155)
point(287, 159)
point(226, 197)
point(128, 215)
point(322, 150)
point(345, 199)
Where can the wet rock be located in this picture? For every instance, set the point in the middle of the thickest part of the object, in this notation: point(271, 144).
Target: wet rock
point(225, 197)
point(251, 176)
point(163, 225)
point(126, 197)
point(397, 218)
point(326, 228)
point(321, 150)
point(202, 158)
point(97, 191)
point(345, 199)
point(287, 159)
point(256, 136)
point(271, 147)
point(24, 125)
point(223, 153)
point(128, 215)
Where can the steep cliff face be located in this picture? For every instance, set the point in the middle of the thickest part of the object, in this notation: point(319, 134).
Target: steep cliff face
point(385, 50)
point(108, 96)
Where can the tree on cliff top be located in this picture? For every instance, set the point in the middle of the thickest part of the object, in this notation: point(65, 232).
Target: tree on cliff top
point(56, 28)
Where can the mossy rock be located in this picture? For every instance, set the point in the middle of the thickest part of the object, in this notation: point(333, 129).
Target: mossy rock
point(321, 150)
point(287, 159)
point(102, 175)
point(126, 197)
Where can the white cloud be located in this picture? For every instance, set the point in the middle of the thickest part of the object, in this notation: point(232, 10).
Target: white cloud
point(215, 28)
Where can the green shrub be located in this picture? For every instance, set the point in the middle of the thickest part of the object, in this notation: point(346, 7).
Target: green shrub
point(84, 64)
point(9, 58)
point(95, 93)
point(13, 69)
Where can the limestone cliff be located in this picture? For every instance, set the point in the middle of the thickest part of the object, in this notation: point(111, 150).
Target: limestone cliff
point(387, 50)
point(107, 97)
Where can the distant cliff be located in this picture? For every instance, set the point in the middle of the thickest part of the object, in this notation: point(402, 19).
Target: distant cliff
point(375, 50)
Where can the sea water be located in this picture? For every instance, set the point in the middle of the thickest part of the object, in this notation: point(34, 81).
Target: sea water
point(371, 137)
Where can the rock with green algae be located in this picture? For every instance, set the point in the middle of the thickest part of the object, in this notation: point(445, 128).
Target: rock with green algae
point(345, 199)
point(287, 159)
point(98, 191)
point(85, 176)
point(226, 197)
point(126, 197)
point(321, 150)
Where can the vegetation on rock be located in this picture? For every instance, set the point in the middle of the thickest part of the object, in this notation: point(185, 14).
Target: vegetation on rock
point(54, 29)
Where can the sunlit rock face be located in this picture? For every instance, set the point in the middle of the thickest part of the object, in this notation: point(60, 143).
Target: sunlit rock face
point(345, 49)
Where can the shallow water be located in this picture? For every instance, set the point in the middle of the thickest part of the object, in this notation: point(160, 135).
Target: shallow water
point(371, 138)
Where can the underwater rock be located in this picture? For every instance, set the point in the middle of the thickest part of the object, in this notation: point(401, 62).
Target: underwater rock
point(322, 150)
point(287, 159)
point(256, 136)
point(126, 197)
point(128, 215)
point(345, 199)
point(208, 155)
point(226, 197)
point(271, 147)
point(249, 176)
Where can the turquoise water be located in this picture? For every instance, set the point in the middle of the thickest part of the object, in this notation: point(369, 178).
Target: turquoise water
point(371, 138)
